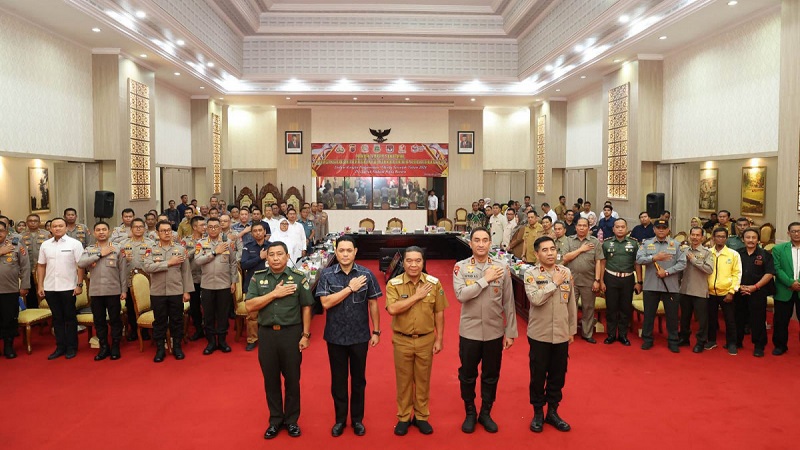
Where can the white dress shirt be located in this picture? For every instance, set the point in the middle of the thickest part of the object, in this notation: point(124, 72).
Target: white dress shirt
point(61, 258)
point(552, 215)
point(795, 262)
point(433, 203)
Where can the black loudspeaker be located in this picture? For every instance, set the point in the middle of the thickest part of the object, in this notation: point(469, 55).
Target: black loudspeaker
point(655, 204)
point(103, 204)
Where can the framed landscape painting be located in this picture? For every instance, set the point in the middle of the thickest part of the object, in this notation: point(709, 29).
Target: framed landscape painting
point(754, 184)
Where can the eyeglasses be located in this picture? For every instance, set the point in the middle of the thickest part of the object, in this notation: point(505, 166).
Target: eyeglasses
point(213, 227)
point(794, 231)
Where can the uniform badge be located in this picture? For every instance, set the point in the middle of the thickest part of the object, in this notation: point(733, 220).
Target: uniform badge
point(564, 287)
point(305, 284)
point(198, 248)
point(470, 282)
point(496, 291)
point(455, 270)
point(441, 291)
point(147, 252)
point(289, 278)
point(22, 251)
point(471, 269)
point(565, 296)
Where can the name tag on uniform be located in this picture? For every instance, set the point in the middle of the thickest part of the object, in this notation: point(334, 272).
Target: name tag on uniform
point(404, 296)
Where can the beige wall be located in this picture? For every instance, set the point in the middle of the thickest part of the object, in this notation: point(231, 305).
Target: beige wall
point(585, 128)
point(465, 181)
point(507, 139)
point(295, 170)
point(14, 186)
point(174, 123)
point(352, 124)
point(252, 138)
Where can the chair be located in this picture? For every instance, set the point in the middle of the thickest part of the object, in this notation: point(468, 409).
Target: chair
point(461, 219)
point(394, 222)
point(445, 223)
point(140, 291)
point(367, 223)
point(29, 318)
point(681, 237)
point(767, 234)
point(239, 309)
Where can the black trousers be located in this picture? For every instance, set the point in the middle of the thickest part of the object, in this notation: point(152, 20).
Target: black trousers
point(728, 312)
point(699, 306)
point(32, 299)
point(167, 311)
point(751, 310)
point(101, 305)
point(348, 360)
point(132, 326)
point(780, 325)
point(216, 303)
point(619, 306)
point(9, 311)
point(279, 355)
point(548, 367)
point(195, 308)
point(65, 318)
point(489, 354)
point(671, 306)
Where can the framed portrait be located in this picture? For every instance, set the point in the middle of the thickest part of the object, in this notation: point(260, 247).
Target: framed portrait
point(39, 189)
point(466, 142)
point(754, 189)
point(294, 142)
point(708, 190)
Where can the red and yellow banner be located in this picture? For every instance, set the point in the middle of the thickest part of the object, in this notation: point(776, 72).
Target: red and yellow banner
point(379, 160)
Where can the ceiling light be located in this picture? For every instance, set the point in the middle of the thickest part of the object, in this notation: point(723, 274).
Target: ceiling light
point(177, 74)
point(222, 98)
point(355, 98)
point(202, 87)
point(579, 48)
point(558, 90)
point(472, 99)
point(624, 19)
point(662, 37)
point(96, 30)
point(143, 55)
point(617, 60)
point(548, 68)
point(407, 99)
point(732, 3)
point(288, 98)
point(210, 64)
point(180, 42)
point(141, 14)
point(583, 77)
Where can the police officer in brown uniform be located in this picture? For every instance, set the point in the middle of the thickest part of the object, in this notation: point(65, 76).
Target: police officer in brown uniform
point(108, 285)
point(77, 231)
point(15, 278)
point(170, 285)
point(552, 323)
point(195, 308)
point(416, 302)
point(124, 231)
point(582, 254)
point(488, 325)
point(218, 284)
point(135, 248)
point(33, 239)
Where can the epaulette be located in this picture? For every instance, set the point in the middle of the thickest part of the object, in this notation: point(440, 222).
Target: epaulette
point(299, 272)
point(431, 279)
point(608, 238)
point(396, 280)
point(260, 271)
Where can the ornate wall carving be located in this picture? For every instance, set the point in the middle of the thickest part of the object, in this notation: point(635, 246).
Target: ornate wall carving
point(216, 138)
point(618, 106)
point(540, 153)
point(139, 112)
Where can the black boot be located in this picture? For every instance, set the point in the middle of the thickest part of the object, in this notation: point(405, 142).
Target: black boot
point(212, 344)
point(553, 419)
point(485, 418)
point(222, 345)
point(103, 353)
point(115, 354)
point(177, 351)
point(161, 352)
point(8, 348)
point(198, 334)
point(472, 416)
point(537, 424)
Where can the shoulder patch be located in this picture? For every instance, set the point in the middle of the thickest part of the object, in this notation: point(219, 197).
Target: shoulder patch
point(260, 271)
point(396, 281)
point(297, 271)
point(431, 279)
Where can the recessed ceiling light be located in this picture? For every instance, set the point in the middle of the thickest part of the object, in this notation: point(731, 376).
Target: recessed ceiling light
point(210, 64)
point(472, 99)
point(617, 60)
point(177, 74)
point(355, 98)
point(548, 67)
point(538, 99)
point(96, 30)
point(141, 14)
point(558, 90)
point(288, 98)
point(579, 48)
point(624, 19)
point(733, 3)
point(180, 42)
point(222, 98)
point(407, 99)
point(662, 37)
point(143, 55)
point(583, 77)
point(202, 87)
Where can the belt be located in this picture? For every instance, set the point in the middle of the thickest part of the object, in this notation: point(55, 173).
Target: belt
point(413, 336)
point(278, 327)
point(620, 274)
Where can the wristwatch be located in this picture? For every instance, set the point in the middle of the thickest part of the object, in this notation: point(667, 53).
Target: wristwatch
point(213, 253)
point(307, 335)
point(376, 332)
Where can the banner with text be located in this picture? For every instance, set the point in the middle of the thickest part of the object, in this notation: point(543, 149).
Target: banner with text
point(379, 160)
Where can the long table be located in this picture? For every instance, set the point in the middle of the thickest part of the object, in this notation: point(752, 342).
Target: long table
point(437, 246)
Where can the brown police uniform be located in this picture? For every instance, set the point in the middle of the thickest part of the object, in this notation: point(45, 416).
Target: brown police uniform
point(167, 286)
point(583, 270)
point(219, 272)
point(80, 233)
point(195, 305)
point(108, 279)
point(15, 275)
point(32, 241)
point(414, 335)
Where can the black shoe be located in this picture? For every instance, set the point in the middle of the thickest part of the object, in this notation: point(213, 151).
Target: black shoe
point(251, 346)
point(359, 429)
point(609, 340)
point(197, 335)
point(222, 345)
point(293, 429)
point(70, 354)
point(674, 348)
point(59, 353)
point(739, 345)
point(747, 329)
point(401, 429)
point(161, 353)
point(778, 351)
point(710, 345)
point(486, 420)
point(212, 345)
point(553, 419)
point(589, 340)
point(423, 425)
point(624, 341)
point(338, 429)
point(271, 432)
point(537, 424)
point(8, 348)
point(732, 350)
point(177, 351)
point(103, 353)
point(131, 337)
point(647, 345)
point(115, 354)
point(698, 348)
point(471, 418)
point(758, 353)
point(684, 343)
point(145, 335)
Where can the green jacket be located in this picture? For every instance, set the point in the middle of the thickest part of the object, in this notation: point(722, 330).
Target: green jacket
point(784, 271)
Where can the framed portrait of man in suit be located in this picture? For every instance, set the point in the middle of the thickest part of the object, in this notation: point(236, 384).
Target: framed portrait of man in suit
point(466, 142)
point(294, 142)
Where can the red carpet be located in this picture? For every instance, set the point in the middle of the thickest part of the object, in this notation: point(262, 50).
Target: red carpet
point(615, 397)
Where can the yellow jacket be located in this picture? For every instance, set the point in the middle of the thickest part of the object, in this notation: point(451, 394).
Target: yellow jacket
point(727, 274)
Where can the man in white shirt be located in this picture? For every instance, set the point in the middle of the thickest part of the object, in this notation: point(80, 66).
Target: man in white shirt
point(296, 229)
point(587, 210)
point(549, 212)
point(433, 207)
point(63, 280)
point(497, 225)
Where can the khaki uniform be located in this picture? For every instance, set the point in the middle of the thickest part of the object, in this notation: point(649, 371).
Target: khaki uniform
point(195, 308)
point(80, 233)
point(32, 241)
point(120, 234)
point(219, 273)
point(108, 279)
point(167, 286)
point(583, 272)
point(560, 211)
point(15, 275)
point(184, 229)
point(233, 236)
point(528, 238)
point(560, 242)
point(135, 252)
point(413, 343)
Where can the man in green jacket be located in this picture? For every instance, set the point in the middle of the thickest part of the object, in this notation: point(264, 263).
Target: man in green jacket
point(786, 257)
